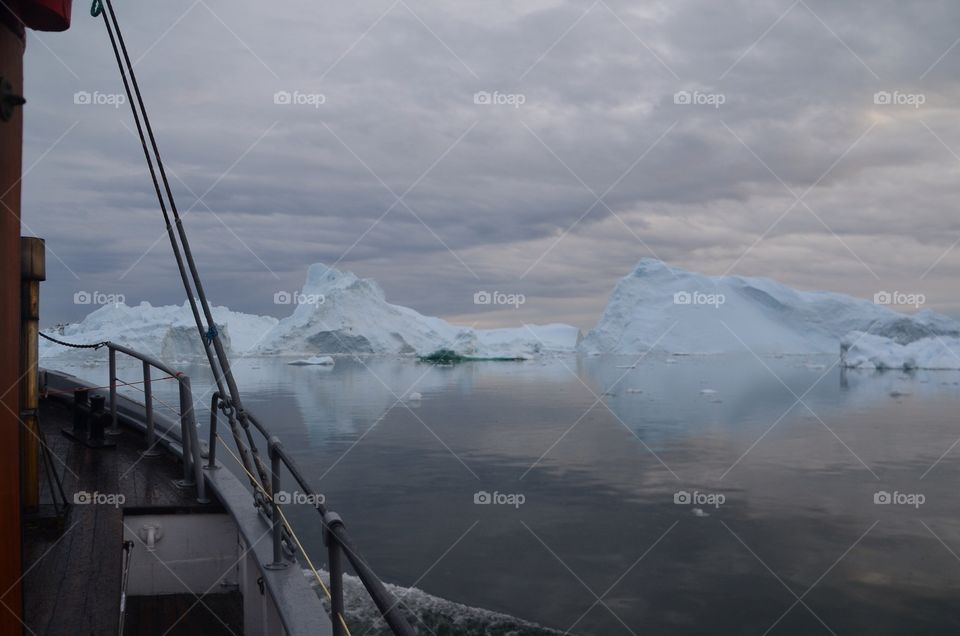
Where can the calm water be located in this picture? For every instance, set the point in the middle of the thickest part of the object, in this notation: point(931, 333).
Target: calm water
point(794, 449)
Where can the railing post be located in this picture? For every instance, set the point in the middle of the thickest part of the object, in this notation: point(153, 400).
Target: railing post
point(273, 448)
point(186, 409)
point(212, 448)
point(191, 433)
point(335, 564)
point(151, 450)
point(114, 425)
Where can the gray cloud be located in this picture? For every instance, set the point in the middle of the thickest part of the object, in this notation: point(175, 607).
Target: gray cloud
point(497, 187)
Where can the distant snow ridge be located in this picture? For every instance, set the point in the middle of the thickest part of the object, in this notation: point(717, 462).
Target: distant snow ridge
point(167, 332)
point(351, 315)
point(665, 308)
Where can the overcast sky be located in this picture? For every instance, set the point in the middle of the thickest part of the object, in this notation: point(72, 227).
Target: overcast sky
point(784, 164)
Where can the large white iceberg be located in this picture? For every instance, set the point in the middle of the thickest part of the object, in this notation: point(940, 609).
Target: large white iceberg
point(342, 313)
point(167, 332)
point(669, 309)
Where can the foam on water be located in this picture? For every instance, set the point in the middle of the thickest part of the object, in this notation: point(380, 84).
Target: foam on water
point(433, 614)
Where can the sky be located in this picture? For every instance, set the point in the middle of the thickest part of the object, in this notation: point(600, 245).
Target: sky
point(538, 148)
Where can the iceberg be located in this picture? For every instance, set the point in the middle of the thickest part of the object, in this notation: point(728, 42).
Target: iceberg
point(322, 361)
point(167, 332)
point(860, 350)
point(662, 308)
point(345, 314)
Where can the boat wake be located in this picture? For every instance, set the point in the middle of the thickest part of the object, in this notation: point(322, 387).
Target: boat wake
point(427, 613)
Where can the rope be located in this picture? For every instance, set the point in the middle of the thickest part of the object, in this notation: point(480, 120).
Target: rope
point(95, 345)
point(289, 528)
point(132, 385)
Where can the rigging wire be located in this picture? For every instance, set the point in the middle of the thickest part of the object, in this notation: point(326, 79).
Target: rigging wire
point(210, 337)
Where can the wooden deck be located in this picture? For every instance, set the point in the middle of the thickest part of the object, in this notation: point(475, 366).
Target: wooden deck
point(72, 575)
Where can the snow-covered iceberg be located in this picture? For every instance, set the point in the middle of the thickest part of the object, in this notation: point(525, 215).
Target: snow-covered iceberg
point(665, 308)
point(348, 314)
point(167, 332)
point(866, 350)
point(313, 361)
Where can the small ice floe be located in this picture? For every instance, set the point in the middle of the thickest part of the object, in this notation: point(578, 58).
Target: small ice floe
point(699, 512)
point(896, 393)
point(708, 392)
point(608, 394)
point(626, 366)
point(634, 390)
point(322, 361)
point(414, 397)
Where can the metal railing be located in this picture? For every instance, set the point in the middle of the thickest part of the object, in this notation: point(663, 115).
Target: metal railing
point(192, 460)
point(337, 541)
point(335, 536)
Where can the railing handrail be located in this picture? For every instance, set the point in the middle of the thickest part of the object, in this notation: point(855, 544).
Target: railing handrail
point(153, 362)
point(189, 440)
point(335, 537)
point(335, 534)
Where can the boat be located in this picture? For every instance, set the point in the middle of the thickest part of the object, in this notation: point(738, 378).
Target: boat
point(117, 517)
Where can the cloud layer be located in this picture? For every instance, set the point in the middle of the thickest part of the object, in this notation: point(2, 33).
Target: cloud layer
point(809, 141)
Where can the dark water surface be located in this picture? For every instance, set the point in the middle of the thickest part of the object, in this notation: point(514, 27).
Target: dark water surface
point(794, 449)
